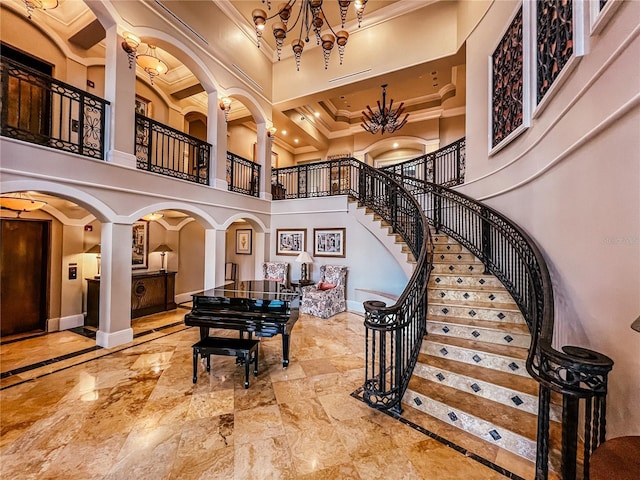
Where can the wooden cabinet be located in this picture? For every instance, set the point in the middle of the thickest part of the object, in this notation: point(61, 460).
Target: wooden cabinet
point(151, 292)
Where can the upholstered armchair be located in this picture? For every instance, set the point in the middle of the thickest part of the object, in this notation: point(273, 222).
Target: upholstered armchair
point(276, 272)
point(328, 297)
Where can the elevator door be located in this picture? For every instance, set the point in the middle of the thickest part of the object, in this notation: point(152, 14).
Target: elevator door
point(24, 258)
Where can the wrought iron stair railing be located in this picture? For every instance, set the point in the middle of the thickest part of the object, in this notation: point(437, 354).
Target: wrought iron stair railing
point(37, 108)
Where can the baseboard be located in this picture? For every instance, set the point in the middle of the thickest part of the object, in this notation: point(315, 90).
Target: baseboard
point(53, 324)
point(71, 321)
point(108, 340)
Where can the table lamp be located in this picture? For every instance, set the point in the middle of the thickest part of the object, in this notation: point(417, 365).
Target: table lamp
point(96, 250)
point(162, 249)
point(304, 258)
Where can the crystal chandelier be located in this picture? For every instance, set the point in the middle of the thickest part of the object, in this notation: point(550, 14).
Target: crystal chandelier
point(311, 16)
point(386, 119)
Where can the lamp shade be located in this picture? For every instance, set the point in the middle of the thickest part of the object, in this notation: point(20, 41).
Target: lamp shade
point(304, 257)
point(162, 248)
point(94, 249)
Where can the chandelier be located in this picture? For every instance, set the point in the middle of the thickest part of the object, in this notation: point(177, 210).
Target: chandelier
point(311, 16)
point(386, 119)
point(42, 4)
point(148, 60)
point(20, 202)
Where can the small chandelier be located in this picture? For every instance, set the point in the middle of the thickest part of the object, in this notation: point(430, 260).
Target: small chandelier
point(148, 60)
point(20, 202)
point(311, 16)
point(225, 106)
point(386, 119)
point(153, 216)
point(42, 4)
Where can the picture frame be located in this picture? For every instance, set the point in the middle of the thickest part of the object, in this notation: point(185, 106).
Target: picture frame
point(142, 106)
point(329, 242)
point(291, 241)
point(244, 241)
point(140, 245)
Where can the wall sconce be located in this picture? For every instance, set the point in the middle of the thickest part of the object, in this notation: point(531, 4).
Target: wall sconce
point(162, 249)
point(42, 4)
point(271, 132)
point(225, 106)
point(96, 250)
point(130, 45)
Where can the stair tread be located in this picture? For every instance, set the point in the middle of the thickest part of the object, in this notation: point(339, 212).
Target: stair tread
point(496, 377)
point(484, 347)
point(466, 304)
point(474, 303)
point(506, 327)
point(502, 416)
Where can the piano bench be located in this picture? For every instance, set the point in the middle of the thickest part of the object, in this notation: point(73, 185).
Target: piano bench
point(244, 349)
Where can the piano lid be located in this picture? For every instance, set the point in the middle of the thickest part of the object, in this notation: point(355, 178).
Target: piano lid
point(253, 289)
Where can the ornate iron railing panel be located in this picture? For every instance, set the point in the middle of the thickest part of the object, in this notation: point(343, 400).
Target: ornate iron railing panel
point(39, 109)
point(320, 179)
point(167, 151)
point(512, 256)
point(443, 167)
point(243, 176)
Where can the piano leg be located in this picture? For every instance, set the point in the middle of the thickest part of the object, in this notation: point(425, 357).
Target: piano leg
point(204, 332)
point(285, 350)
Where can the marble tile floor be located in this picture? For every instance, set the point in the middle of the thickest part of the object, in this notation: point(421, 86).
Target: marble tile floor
point(132, 412)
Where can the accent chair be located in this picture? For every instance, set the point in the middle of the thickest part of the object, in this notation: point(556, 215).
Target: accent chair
point(328, 297)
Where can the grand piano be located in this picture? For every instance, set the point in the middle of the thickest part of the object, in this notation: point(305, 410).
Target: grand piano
point(257, 307)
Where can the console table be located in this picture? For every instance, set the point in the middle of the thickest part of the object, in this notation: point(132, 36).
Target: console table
point(151, 292)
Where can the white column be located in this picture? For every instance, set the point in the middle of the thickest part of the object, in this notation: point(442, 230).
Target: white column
point(120, 91)
point(217, 137)
point(115, 286)
point(264, 159)
point(210, 274)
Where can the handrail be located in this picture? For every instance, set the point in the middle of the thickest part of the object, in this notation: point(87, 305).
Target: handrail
point(445, 166)
point(165, 150)
point(40, 109)
point(513, 257)
point(243, 176)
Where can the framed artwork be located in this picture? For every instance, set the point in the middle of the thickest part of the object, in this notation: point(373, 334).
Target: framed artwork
point(329, 242)
point(142, 106)
point(291, 242)
point(140, 245)
point(509, 109)
point(244, 241)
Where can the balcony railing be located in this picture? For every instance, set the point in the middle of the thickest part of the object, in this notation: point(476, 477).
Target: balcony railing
point(39, 109)
point(444, 167)
point(243, 176)
point(167, 151)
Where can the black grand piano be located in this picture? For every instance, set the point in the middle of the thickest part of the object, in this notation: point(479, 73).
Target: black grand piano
point(258, 307)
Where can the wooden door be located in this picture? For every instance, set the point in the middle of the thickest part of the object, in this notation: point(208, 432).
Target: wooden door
point(24, 259)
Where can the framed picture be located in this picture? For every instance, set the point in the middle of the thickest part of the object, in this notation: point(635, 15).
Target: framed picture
point(142, 106)
point(243, 241)
point(291, 242)
point(140, 245)
point(329, 242)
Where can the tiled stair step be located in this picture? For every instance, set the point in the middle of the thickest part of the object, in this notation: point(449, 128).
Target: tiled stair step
point(489, 355)
point(459, 268)
point(500, 425)
point(513, 334)
point(475, 281)
point(481, 298)
point(512, 390)
point(452, 258)
point(473, 312)
point(449, 248)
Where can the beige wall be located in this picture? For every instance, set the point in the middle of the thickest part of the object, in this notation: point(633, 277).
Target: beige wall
point(190, 277)
point(572, 181)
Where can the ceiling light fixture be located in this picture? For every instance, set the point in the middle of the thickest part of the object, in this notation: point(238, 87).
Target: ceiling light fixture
point(41, 4)
point(225, 106)
point(148, 61)
point(20, 202)
point(152, 217)
point(311, 16)
point(386, 119)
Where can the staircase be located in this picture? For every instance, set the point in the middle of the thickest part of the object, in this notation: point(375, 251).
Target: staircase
point(471, 372)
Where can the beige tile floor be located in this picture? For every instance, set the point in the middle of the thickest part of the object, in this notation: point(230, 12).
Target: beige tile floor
point(133, 412)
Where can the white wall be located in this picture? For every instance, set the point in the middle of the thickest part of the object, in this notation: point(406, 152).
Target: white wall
point(572, 180)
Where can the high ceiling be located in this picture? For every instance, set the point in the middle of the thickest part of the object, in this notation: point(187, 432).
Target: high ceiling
point(332, 113)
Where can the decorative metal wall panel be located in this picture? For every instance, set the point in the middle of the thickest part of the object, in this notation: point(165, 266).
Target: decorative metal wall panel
point(507, 86)
point(554, 41)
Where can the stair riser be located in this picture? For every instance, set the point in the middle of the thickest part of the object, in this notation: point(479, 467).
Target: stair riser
point(443, 295)
point(453, 258)
point(462, 269)
point(480, 282)
point(501, 363)
point(449, 248)
point(517, 444)
point(498, 337)
point(511, 398)
point(475, 313)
